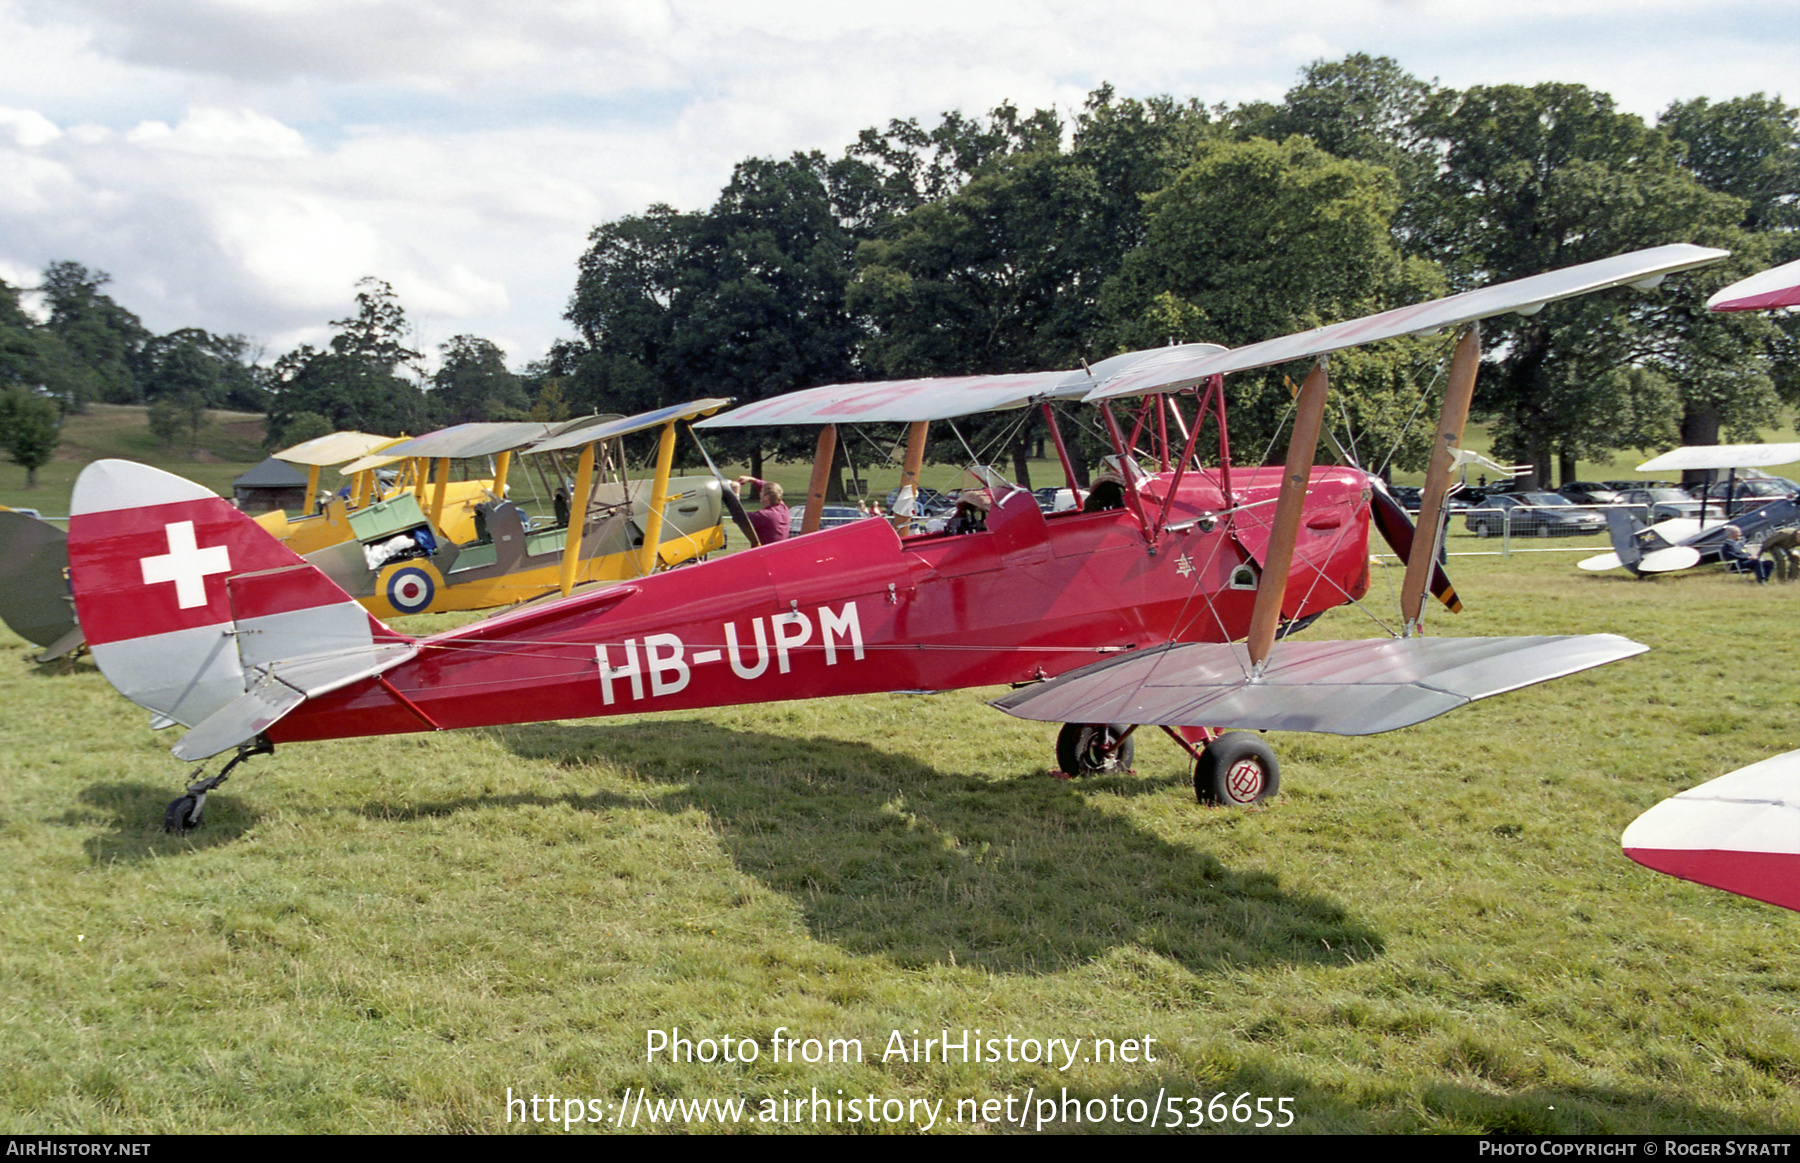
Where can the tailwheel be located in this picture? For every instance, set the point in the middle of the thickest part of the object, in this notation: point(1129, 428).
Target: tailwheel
point(1094, 748)
point(1237, 769)
point(185, 813)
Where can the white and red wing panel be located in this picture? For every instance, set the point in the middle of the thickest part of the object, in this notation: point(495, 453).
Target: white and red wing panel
point(1740, 832)
point(1777, 287)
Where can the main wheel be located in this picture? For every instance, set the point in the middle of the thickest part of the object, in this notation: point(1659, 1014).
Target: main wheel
point(1482, 530)
point(1543, 531)
point(1237, 769)
point(1092, 748)
point(183, 815)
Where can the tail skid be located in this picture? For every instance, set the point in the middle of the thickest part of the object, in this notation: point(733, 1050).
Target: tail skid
point(196, 614)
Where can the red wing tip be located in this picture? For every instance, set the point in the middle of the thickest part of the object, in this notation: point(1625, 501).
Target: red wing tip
point(1771, 877)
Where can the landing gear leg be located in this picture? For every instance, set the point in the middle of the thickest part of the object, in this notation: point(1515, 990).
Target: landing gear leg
point(184, 814)
point(1093, 748)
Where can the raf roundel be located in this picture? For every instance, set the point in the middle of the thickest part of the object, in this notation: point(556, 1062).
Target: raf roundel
point(410, 589)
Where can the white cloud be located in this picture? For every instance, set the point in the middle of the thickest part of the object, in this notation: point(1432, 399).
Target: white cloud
point(238, 164)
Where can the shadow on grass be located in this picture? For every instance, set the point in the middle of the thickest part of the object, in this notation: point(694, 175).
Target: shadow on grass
point(888, 856)
point(133, 815)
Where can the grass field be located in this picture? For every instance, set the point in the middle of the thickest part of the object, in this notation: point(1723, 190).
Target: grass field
point(1432, 930)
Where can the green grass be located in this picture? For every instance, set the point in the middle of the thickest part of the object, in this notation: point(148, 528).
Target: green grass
point(1432, 930)
point(230, 444)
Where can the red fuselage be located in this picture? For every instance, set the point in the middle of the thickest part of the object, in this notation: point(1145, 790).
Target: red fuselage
point(857, 609)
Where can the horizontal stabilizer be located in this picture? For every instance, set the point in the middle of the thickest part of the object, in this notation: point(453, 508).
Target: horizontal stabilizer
point(1740, 832)
point(1360, 687)
point(280, 688)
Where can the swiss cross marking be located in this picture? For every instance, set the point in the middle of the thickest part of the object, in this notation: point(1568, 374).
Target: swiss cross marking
point(186, 564)
point(1184, 565)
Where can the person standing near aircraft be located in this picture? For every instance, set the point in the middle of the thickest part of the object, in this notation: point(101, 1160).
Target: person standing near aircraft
point(772, 521)
point(1780, 546)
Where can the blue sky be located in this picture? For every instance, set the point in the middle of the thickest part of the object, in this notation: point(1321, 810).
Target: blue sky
point(238, 164)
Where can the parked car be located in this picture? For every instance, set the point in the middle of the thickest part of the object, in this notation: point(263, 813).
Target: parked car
point(1653, 505)
point(1052, 499)
point(1747, 493)
point(1590, 493)
point(830, 517)
point(1532, 515)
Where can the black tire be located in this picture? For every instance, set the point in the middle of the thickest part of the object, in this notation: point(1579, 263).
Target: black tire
point(1236, 770)
point(1081, 748)
point(183, 815)
point(1543, 530)
point(1482, 530)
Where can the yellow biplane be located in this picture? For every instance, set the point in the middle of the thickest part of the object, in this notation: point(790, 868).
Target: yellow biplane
point(405, 557)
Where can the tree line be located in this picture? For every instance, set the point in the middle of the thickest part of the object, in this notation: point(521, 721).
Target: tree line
point(1018, 241)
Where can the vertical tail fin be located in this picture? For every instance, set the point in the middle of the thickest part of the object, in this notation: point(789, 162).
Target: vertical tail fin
point(188, 604)
point(1623, 529)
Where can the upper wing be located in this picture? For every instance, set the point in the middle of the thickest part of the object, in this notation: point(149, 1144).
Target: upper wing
point(1646, 267)
point(1696, 456)
point(1740, 832)
point(943, 397)
point(1777, 287)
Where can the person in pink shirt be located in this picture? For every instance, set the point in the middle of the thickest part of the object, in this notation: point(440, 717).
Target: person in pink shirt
point(770, 522)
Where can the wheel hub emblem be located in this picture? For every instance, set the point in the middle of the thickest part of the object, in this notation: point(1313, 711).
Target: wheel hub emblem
point(1245, 779)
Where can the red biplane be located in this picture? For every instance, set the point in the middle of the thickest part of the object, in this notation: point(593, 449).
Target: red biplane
point(1158, 601)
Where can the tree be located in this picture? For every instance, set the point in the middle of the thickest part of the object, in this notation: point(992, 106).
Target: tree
point(472, 384)
point(1749, 148)
point(29, 430)
point(1364, 108)
point(1550, 176)
point(1258, 239)
point(355, 383)
point(99, 333)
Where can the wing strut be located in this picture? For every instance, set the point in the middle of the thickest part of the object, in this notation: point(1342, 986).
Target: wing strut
point(909, 472)
point(659, 497)
point(1458, 391)
point(825, 453)
point(579, 505)
point(1309, 416)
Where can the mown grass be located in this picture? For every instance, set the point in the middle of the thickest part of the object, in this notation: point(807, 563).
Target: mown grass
point(1432, 930)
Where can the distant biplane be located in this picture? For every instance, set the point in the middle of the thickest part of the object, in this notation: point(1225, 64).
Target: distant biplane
point(1681, 542)
point(401, 558)
point(1741, 831)
point(1158, 601)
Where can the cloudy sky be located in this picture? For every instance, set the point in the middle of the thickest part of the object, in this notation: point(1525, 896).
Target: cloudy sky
point(238, 164)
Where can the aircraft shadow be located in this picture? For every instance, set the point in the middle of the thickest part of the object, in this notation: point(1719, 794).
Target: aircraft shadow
point(886, 855)
point(134, 814)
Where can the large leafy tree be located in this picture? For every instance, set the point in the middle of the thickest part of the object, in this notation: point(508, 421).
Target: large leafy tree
point(30, 429)
point(746, 300)
point(1258, 239)
point(1553, 175)
point(356, 382)
point(103, 337)
point(472, 383)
